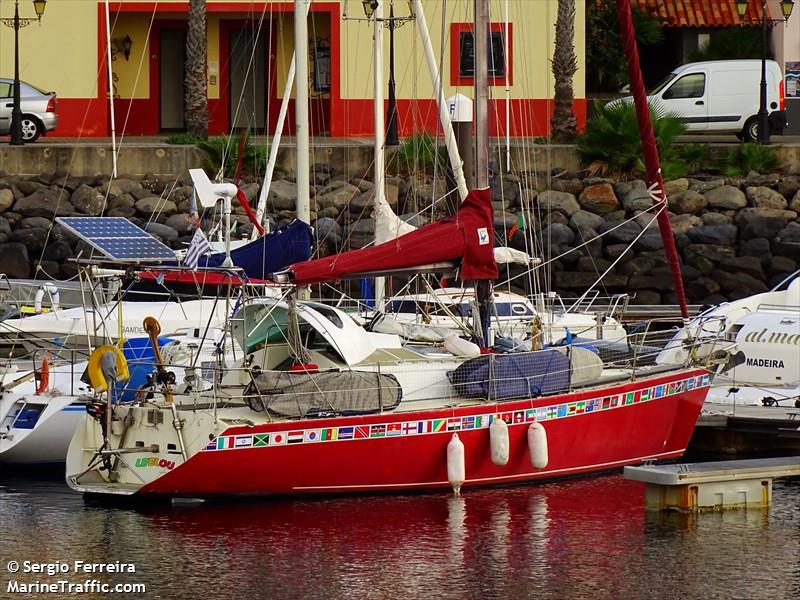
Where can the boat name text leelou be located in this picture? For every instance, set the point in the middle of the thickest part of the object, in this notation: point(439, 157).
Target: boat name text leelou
point(155, 462)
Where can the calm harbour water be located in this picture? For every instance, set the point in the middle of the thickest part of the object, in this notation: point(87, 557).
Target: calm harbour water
point(584, 538)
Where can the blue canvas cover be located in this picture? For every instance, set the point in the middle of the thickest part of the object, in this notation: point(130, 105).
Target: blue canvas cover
point(141, 363)
point(269, 253)
point(499, 377)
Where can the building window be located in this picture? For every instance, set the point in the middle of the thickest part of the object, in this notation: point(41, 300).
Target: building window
point(462, 54)
point(321, 60)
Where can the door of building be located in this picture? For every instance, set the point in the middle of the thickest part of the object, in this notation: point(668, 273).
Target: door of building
point(172, 72)
point(248, 78)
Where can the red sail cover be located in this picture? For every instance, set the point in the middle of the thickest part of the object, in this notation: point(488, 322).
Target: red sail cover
point(468, 236)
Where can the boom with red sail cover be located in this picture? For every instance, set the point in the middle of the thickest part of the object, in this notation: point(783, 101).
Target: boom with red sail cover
point(466, 236)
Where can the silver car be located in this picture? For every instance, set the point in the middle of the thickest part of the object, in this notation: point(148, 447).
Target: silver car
point(38, 109)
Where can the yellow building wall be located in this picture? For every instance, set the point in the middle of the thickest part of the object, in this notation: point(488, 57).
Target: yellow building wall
point(533, 36)
point(60, 53)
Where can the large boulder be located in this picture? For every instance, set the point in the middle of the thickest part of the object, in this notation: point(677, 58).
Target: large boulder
point(564, 202)
point(715, 218)
point(683, 223)
point(282, 195)
point(6, 199)
point(687, 202)
point(33, 238)
point(582, 280)
point(726, 196)
point(335, 195)
point(738, 285)
point(117, 187)
point(724, 235)
point(599, 199)
point(705, 185)
point(88, 200)
point(711, 252)
point(749, 265)
point(758, 247)
point(164, 232)
point(557, 234)
point(182, 223)
point(154, 205)
point(754, 224)
point(637, 200)
point(764, 197)
point(44, 203)
point(623, 232)
point(793, 205)
point(15, 261)
point(675, 186)
point(572, 185)
point(583, 220)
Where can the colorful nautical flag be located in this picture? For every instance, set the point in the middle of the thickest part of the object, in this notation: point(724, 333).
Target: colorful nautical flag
point(659, 393)
point(508, 418)
point(394, 429)
point(581, 407)
point(224, 442)
point(346, 433)
point(260, 439)
point(519, 225)
point(412, 427)
point(377, 431)
point(312, 435)
point(362, 432)
point(454, 424)
point(294, 437)
point(530, 415)
point(614, 401)
point(328, 435)
point(243, 441)
point(519, 416)
point(629, 398)
point(645, 395)
point(197, 247)
point(606, 402)
point(277, 439)
point(562, 410)
point(436, 425)
point(212, 445)
point(572, 407)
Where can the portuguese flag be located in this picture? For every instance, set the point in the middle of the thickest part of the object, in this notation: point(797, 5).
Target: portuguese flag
point(518, 226)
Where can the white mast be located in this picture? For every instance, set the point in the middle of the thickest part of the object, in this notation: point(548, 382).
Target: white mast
point(273, 151)
point(301, 109)
point(508, 88)
point(111, 94)
point(444, 114)
point(380, 149)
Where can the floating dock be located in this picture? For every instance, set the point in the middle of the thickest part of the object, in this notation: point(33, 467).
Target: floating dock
point(719, 485)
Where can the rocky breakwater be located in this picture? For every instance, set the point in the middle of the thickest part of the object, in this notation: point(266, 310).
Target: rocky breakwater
point(736, 236)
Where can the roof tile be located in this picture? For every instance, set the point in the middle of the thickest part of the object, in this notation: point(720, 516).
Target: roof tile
point(699, 13)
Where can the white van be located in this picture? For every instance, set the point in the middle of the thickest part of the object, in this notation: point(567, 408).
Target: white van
point(722, 95)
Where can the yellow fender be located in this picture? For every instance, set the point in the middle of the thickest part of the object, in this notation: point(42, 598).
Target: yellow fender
point(96, 373)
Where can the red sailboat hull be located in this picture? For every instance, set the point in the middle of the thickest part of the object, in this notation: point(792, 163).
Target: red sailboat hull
point(588, 431)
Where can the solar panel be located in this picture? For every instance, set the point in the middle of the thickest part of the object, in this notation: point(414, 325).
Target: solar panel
point(118, 238)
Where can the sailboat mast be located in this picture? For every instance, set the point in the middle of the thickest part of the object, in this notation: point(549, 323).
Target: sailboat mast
point(649, 149)
point(380, 147)
point(301, 109)
point(481, 94)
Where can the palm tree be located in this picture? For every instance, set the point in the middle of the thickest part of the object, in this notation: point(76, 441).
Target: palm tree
point(195, 89)
point(565, 64)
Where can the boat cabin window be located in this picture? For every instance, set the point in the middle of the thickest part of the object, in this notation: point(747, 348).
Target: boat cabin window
point(326, 312)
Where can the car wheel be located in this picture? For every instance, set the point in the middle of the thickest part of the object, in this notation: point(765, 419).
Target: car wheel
point(31, 128)
point(750, 130)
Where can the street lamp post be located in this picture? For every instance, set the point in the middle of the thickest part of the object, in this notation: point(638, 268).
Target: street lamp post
point(391, 24)
point(763, 115)
point(16, 23)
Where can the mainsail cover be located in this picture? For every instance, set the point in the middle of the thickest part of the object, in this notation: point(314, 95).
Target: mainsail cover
point(467, 236)
point(269, 253)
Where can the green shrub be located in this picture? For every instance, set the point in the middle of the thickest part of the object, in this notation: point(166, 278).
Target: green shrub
point(183, 139)
point(749, 157)
point(223, 152)
point(611, 143)
point(418, 153)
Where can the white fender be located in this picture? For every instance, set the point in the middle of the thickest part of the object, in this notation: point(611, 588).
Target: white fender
point(458, 346)
point(537, 445)
point(54, 297)
point(456, 470)
point(498, 442)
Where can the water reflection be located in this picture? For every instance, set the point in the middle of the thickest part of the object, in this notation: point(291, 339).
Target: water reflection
point(573, 539)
